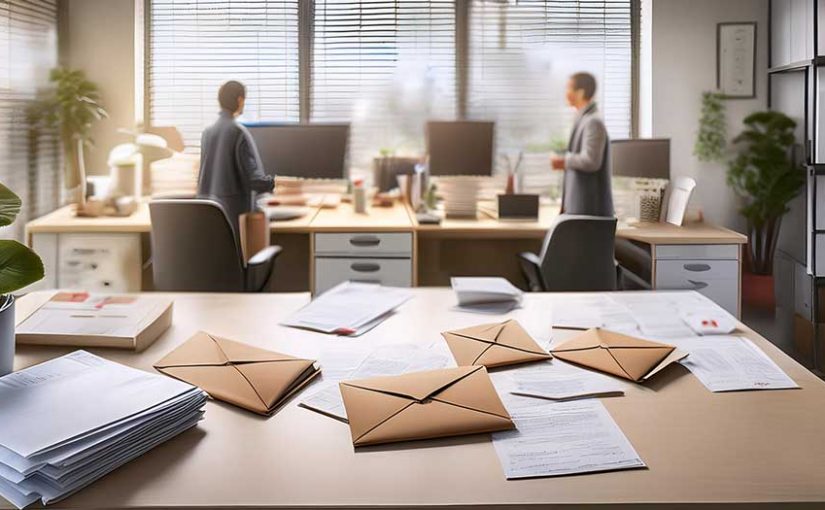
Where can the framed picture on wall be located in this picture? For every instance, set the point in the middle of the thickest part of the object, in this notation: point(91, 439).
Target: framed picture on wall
point(736, 60)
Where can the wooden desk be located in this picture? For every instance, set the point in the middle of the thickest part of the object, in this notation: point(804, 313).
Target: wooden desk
point(406, 253)
point(704, 450)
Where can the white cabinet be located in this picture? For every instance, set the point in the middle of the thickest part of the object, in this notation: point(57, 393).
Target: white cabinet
point(711, 269)
point(92, 262)
point(792, 31)
point(375, 257)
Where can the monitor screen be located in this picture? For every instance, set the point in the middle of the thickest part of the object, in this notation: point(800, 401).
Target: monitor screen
point(312, 151)
point(641, 158)
point(460, 147)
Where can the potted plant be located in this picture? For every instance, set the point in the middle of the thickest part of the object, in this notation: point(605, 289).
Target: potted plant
point(72, 106)
point(766, 176)
point(19, 267)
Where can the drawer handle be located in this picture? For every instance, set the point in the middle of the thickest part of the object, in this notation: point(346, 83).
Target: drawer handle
point(365, 267)
point(697, 268)
point(365, 280)
point(361, 241)
point(698, 285)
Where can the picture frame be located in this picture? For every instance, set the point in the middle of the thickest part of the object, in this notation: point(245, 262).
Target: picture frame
point(736, 59)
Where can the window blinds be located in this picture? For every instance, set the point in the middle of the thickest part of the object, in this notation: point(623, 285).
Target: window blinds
point(196, 45)
point(385, 66)
point(29, 162)
point(522, 53)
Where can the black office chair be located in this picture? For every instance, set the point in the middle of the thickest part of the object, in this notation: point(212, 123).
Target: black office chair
point(194, 249)
point(577, 255)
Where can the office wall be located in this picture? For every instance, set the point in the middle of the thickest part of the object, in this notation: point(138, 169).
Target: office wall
point(97, 36)
point(684, 65)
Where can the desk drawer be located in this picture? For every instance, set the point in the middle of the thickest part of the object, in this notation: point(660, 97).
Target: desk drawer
point(329, 272)
point(716, 279)
point(364, 244)
point(697, 251)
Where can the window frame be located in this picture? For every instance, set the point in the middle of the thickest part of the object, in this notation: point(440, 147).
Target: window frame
point(306, 19)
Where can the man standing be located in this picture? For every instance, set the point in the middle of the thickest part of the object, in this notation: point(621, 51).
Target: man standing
point(231, 169)
point(586, 164)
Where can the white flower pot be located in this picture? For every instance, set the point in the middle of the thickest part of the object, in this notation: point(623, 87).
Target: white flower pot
point(6, 334)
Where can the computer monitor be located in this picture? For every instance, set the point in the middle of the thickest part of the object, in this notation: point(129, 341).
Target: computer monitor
point(312, 151)
point(460, 147)
point(646, 158)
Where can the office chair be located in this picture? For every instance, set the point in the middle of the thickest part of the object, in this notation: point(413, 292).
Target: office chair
point(194, 249)
point(577, 255)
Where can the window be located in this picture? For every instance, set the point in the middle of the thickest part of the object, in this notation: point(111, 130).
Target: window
point(386, 66)
point(196, 45)
point(522, 53)
point(29, 162)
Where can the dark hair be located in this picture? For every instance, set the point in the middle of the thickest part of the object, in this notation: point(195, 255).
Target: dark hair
point(585, 82)
point(230, 94)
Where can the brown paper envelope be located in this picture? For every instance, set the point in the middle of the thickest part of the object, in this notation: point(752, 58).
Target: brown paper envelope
point(246, 376)
point(621, 355)
point(423, 405)
point(494, 345)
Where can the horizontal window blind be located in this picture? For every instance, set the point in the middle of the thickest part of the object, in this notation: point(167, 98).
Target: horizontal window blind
point(196, 45)
point(29, 161)
point(522, 54)
point(385, 66)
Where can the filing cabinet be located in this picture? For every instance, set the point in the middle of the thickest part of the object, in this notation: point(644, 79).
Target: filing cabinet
point(711, 269)
point(374, 257)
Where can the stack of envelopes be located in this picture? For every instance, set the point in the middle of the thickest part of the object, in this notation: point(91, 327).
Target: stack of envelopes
point(494, 345)
point(621, 355)
point(254, 379)
point(423, 405)
point(70, 421)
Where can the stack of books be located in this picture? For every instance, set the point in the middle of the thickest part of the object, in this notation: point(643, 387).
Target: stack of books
point(72, 420)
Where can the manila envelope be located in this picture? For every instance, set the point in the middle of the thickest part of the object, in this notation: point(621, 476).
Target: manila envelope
point(423, 405)
point(494, 345)
point(254, 379)
point(621, 355)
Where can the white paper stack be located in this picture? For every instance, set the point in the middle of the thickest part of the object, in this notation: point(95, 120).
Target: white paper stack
point(486, 294)
point(349, 309)
point(461, 193)
point(70, 421)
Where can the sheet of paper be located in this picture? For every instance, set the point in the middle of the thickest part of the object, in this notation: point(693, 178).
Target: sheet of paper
point(349, 308)
point(730, 363)
point(536, 317)
point(557, 380)
point(384, 361)
point(593, 311)
point(564, 438)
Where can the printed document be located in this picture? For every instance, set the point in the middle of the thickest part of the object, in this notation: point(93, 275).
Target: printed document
point(731, 363)
point(350, 308)
point(557, 380)
point(563, 438)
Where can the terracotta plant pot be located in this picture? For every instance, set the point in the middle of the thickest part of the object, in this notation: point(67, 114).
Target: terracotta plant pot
point(6, 334)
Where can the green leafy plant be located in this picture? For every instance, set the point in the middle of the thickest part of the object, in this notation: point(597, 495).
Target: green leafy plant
point(711, 138)
point(19, 265)
point(764, 172)
point(72, 106)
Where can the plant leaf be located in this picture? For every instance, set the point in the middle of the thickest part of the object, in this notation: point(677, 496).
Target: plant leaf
point(19, 266)
point(10, 205)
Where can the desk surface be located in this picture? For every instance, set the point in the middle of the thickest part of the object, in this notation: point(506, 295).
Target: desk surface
point(741, 447)
point(399, 219)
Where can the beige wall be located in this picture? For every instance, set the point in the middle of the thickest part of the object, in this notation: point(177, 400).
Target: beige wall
point(99, 38)
point(683, 66)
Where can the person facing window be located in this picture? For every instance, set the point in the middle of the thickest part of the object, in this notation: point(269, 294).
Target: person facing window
point(231, 171)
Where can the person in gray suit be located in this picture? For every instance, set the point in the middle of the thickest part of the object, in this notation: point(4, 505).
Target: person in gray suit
point(231, 170)
point(586, 164)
